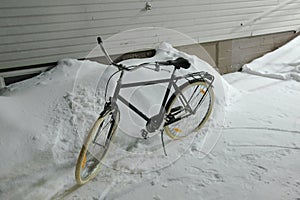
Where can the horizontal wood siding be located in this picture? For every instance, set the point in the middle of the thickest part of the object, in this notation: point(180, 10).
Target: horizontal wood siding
point(42, 31)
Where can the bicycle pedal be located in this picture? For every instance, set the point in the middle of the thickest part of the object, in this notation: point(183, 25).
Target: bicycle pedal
point(144, 134)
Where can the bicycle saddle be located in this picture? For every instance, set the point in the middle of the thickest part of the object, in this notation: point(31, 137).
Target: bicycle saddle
point(178, 63)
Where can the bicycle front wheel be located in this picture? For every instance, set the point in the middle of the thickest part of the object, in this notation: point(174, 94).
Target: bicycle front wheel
point(191, 116)
point(95, 146)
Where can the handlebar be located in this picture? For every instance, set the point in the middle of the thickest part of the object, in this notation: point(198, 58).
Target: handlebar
point(177, 63)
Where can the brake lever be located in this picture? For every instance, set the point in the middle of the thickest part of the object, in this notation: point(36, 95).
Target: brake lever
point(158, 68)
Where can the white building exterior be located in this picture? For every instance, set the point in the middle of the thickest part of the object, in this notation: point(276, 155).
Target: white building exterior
point(44, 31)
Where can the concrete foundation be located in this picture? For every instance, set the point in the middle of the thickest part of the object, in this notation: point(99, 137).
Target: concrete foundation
point(230, 55)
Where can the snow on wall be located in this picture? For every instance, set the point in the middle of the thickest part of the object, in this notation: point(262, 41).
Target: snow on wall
point(34, 32)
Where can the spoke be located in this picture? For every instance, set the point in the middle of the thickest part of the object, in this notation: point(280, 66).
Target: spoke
point(193, 94)
point(98, 132)
point(202, 98)
point(98, 144)
point(106, 125)
point(201, 89)
point(182, 101)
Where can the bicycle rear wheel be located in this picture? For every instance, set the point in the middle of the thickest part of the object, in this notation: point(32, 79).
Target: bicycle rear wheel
point(184, 121)
point(95, 146)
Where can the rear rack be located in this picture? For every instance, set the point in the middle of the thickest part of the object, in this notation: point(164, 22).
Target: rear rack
point(201, 76)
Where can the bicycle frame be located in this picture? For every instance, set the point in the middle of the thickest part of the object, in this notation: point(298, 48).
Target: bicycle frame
point(171, 83)
point(169, 112)
point(155, 121)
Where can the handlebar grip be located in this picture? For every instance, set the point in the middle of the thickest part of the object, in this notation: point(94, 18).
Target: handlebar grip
point(99, 40)
point(178, 63)
point(169, 62)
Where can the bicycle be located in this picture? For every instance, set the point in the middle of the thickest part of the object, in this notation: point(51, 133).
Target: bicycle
point(184, 103)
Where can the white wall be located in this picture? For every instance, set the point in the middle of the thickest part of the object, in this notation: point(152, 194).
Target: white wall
point(42, 31)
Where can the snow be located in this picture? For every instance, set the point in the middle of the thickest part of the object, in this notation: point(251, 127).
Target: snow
point(284, 63)
point(254, 153)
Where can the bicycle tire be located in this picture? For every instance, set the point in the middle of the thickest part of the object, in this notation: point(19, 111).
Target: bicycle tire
point(175, 130)
point(85, 154)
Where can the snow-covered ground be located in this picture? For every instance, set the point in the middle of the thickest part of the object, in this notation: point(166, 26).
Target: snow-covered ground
point(43, 121)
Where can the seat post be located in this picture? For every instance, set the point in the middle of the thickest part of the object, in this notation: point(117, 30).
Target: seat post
point(173, 74)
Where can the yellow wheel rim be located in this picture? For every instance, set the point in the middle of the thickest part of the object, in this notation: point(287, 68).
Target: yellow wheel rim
point(83, 162)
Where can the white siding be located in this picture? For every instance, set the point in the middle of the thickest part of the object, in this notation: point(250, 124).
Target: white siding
point(42, 31)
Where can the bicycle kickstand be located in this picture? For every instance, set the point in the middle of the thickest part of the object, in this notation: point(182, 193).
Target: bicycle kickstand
point(162, 141)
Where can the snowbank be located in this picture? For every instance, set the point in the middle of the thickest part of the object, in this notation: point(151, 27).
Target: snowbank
point(43, 122)
point(283, 63)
